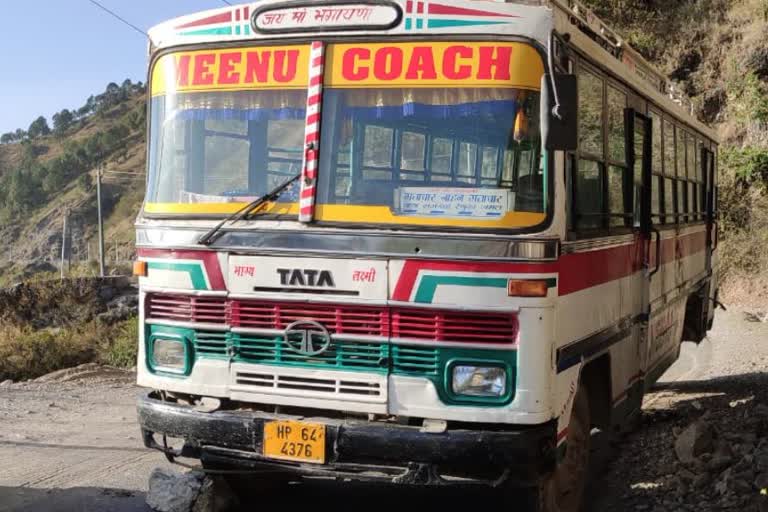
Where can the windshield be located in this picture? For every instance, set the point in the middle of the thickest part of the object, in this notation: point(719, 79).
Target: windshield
point(440, 134)
point(227, 127)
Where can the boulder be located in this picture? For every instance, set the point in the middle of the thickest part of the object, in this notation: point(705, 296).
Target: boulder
point(694, 441)
point(173, 492)
point(215, 496)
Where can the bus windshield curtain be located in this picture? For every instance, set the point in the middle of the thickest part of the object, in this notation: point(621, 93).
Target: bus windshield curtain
point(436, 104)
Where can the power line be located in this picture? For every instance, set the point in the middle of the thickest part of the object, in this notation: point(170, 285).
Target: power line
point(226, 2)
point(118, 17)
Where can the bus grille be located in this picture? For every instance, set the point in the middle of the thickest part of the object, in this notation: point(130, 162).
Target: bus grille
point(338, 388)
point(187, 308)
point(342, 355)
point(211, 343)
point(338, 319)
point(409, 323)
point(415, 360)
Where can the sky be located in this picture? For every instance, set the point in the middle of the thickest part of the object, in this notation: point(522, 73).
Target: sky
point(56, 53)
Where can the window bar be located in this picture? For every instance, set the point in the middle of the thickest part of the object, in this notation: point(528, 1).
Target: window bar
point(308, 190)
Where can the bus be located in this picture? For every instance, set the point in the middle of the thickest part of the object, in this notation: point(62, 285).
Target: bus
point(414, 242)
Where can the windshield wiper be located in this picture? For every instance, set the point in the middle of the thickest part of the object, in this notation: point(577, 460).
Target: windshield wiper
point(216, 232)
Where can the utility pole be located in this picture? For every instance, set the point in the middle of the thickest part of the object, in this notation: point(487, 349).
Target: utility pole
point(102, 271)
point(64, 258)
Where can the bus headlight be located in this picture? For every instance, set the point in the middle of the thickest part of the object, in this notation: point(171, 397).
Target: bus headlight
point(169, 355)
point(479, 381)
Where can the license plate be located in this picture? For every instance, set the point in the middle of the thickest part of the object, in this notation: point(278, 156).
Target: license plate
point(295, 441)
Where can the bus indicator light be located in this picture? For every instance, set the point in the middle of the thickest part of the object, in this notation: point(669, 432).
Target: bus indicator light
point(140, 269)
point(527, 288)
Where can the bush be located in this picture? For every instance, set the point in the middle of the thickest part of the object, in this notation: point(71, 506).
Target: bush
point(121, 349)
point(27, 354)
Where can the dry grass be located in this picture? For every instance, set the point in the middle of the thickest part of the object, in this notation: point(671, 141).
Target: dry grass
point(26, 353)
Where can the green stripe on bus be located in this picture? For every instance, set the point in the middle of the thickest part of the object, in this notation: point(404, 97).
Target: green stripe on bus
point(195, 271)
point(428, 285)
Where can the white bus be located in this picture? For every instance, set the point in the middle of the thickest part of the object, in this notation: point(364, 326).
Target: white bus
point(419, 242)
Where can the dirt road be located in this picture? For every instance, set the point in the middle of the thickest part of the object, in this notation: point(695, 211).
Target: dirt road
point(71, 444)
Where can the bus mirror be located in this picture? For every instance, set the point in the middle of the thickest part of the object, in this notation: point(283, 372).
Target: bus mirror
point(559, 113)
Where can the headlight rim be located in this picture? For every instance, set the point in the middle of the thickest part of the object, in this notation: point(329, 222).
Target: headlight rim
point(159, 369)
point(505, 399)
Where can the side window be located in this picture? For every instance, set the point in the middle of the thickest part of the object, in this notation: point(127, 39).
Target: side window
point(682, 198)
point(489, 166)
point(670, 215)
point(619, 181)
point(467, 162)
point(377, 153)
point(657, 185)
point(590, 114)
point(589, 184)
point(690, 153)
point(617, 102)
point(669, 200)
point(701, 192)
point(412, 155)
point(589, 195)
point(442, 159)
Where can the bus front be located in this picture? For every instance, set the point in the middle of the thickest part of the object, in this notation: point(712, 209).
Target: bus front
point(347, 242)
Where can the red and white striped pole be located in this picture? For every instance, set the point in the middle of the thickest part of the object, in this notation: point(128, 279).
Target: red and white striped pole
point(312, 139)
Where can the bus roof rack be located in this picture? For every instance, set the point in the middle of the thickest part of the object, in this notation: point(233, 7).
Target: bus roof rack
point(613, 43)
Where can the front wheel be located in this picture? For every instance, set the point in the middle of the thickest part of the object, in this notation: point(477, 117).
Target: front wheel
point(563, 489)
point(232, 489)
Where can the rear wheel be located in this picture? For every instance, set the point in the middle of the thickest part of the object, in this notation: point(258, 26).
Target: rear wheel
point(563, 489)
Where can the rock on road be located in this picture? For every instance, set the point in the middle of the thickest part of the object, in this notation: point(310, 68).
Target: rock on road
point(72, 443)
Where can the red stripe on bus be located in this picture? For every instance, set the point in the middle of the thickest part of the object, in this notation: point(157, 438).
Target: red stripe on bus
point(583, 270)
point(577, 271)
point(210, 261)
point(217, 18)
point(411, 269)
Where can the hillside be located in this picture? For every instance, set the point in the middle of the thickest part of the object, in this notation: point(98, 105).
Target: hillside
point(714, 50)
point(45, 174)
point(717, 52)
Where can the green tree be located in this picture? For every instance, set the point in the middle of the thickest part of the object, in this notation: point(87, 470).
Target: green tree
point(7, 138)
point(62, 122)
point(23, 192)
point(85, 182)
point(38, 128)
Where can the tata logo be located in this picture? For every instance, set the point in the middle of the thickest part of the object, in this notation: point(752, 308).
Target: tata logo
point(306, 277)
point(307, 338)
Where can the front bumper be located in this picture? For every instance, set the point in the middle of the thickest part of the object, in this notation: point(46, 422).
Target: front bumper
point(358, 450)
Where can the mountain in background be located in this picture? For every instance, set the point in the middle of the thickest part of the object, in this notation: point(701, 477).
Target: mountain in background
point(714, 50)
point(47, 171)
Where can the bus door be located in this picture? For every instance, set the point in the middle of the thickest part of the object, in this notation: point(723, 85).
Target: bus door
point(639, 147)
point(710, 182)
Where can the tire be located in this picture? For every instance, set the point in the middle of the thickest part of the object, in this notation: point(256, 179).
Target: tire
point(563, 490)
point(246, 488)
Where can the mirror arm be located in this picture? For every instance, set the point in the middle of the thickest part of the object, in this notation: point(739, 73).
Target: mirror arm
point(551, 62)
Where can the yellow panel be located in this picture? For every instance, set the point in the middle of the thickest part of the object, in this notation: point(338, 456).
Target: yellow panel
point(432, 64)
point(352, 214)
point(236, 69)
point(352, 65)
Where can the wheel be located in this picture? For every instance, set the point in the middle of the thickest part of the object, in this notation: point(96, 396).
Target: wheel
point(244, 488)
point(563, 489)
